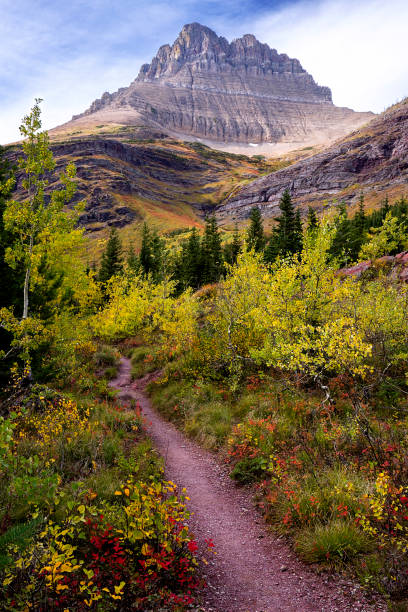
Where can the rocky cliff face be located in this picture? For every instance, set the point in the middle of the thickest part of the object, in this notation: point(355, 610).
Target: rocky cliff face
point(242, 91)
point(373, 161)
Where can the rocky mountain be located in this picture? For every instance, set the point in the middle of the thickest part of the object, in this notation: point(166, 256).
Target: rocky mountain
point(372, 161)
point(240, 92)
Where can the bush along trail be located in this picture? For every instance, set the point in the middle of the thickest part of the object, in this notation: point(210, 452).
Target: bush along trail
point(247, 569)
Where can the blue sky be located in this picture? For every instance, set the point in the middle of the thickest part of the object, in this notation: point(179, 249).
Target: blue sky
point(70, 53)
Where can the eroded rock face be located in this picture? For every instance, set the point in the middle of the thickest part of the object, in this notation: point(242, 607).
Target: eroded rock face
point(242, 91)
point(373, 161)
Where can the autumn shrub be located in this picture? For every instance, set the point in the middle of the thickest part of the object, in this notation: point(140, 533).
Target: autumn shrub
point(140, 555)
point(111, 372)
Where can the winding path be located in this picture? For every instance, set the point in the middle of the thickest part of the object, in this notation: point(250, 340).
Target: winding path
point(252, 571)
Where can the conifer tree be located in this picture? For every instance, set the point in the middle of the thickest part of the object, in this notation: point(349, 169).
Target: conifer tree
point(211, 252)
point(340, 247)
point(285, 231)
point(112, 260)
point(158, 257)
point(298, 235)
point(358, 230)
point(152, 254)
point(146, 256)
point(286, 237)
point(233, 248)
point(255, 235)
point(271, 251)
point(312, 220)
point(192, 260)
point(133, 260)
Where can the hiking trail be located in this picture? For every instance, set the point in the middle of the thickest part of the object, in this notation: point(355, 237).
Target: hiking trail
point(253, 570)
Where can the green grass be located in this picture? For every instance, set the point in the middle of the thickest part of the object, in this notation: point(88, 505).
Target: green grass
point(111, 372)
point(336, 541)
point(144, 360)
point(105, 357)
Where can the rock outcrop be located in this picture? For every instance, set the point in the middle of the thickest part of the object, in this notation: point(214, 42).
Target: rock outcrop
point(394, 266)
point(243, 91)
point(372, 161)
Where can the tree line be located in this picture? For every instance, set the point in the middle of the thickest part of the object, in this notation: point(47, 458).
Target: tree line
point(204, 259)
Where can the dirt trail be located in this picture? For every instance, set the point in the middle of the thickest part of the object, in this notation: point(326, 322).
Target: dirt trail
point(252, 571)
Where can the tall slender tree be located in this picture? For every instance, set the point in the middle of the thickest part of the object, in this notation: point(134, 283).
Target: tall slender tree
point(298, 234)
point(312, 220)
point(286, 237)
point(35, 221)
point(146, 255)
point(192, 260)
point(112, 259)
point(255, 238)
point(211, 252)
point(132, 260)
point(232, 249)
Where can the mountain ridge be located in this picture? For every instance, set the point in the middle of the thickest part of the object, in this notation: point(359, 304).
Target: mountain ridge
point(204, 87)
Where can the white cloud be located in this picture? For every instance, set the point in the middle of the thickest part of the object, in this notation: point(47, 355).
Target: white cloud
point(358, 49)
point(70, 55)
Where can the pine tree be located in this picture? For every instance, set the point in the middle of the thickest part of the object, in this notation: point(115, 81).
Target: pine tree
point(233, 248)
point(152, 254)
point(340, 247)
point(211, 252)
point(312, 220)
point(146, 256)
point(298, 235)
point(192, 260)
point(285, 236)
point(271, 251)
point(112, 260)
point(358, 231)
point(255, 234)
point(158, 257)
point(133, 260)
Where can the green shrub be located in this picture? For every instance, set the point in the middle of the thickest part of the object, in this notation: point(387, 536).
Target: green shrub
point(18, 536)
point(144, 360)
point(249, 469)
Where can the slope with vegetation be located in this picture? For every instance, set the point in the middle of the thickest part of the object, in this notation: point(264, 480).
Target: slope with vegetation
point(86, 519)
point(129, 175)
point(296, 375)
point(372, 160)
point(293, 371)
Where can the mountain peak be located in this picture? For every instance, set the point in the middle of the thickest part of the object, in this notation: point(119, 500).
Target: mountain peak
point(199, 46)
point(242, 91)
